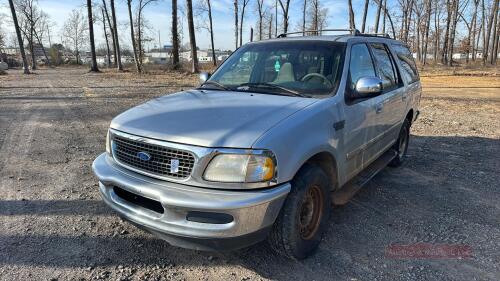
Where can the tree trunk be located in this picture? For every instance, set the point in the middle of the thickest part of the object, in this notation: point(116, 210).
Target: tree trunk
point(175, 37)
point(241, 21)
point(19, 37)
point(108, 52)
point(192, 36)
point(117, 38)
point(304, 10)
point(472, 35)
point(365, 12)
point(488, 34)
point(32, 49)
point(132, 36)
point(377, 17)
point(427, 28)
point(384, 17)
point(436, 32)
point(235, 24)
point(93, 67)
point(352, 24)
point(444, 53)
point(270, 34)
point(214, 59)
point(496, 38)
point(112, 29)
point(260, 8)
point(451, 43)
point(285, 8)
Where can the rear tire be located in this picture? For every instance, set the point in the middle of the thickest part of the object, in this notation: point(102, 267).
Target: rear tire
point(299, 228)
point(401, 145)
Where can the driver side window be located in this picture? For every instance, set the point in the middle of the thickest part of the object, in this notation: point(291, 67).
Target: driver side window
point(360, 64)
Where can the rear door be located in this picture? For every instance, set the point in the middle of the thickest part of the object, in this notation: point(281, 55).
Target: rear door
point(409, 73)
point(390, 106)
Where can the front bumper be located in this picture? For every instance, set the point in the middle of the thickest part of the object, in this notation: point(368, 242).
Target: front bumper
point(253, 211)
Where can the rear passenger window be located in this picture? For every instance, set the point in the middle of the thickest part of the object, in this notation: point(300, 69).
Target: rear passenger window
point(408, 67)
point(361, 64)
point(385, 66)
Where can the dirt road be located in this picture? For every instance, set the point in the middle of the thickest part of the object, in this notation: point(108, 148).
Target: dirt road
point(53, 225)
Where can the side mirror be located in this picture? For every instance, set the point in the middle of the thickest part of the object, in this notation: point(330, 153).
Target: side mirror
point(204, 77)
point(369, 85)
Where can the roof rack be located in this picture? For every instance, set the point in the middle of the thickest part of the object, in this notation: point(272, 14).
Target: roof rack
point(352, 31)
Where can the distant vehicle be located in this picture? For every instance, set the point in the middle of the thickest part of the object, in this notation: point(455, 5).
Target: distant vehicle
point(280, 131)
point(3, 66)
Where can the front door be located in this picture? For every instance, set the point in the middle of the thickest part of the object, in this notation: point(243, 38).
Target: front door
point(359, 113)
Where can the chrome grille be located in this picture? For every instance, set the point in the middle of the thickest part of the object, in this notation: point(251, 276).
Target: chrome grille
point(126, 152)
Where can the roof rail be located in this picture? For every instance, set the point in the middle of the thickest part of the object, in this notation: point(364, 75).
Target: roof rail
point(352, 31)
point(385, 35)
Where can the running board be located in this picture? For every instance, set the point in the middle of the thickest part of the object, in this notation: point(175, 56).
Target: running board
point(344, 194)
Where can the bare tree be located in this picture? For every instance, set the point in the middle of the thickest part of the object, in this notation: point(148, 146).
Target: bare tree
point(138, 38)
point(317, 15)
point(304, 11)
point(203, 11)
point(244, 4)
point(352, 23)
point(261, 10)
point(105, 32)
point(93, 66)
point(377, 17)
point(132, 36)
point(488, 34)
point(285, 7)
point(30, 15)
point(235, 4)
point(175, 36)
point(428, 9)
point(496, 38)
point(209, 5)
point(112, 30)
point(365, 12)
point(192, 37)
point(19, 37)
point(117, 38)
point(75, 32)
point(379, 3)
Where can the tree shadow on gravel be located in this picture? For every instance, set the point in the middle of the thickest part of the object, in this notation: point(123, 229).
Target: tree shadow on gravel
point(446, 192)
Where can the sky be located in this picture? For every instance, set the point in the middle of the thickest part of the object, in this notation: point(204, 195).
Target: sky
point(158, 15)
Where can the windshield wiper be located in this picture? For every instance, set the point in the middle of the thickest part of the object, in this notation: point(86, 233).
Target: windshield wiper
point(214, 83)
point(289, 92)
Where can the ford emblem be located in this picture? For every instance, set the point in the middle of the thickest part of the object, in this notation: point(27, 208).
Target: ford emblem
point(144, 156)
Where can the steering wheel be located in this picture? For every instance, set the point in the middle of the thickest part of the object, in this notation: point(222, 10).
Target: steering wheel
point(309, 76)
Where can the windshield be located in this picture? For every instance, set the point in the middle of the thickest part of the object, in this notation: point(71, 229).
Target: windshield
point(298, 68)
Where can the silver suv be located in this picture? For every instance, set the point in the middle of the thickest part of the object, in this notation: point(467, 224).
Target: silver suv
point(280, 132)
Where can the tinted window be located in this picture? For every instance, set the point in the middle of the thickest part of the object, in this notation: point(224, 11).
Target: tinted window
point(361, 64)
point(385, 66)
point(408, 67)
point(309, 68)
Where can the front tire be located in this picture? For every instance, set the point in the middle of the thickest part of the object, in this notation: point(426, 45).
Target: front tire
point(303, 219)
point(401, 145)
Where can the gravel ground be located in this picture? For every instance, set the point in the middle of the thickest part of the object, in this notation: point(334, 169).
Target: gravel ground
point(55, 227)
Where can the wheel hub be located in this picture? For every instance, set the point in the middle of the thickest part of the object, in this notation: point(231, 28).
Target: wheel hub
point(311, 212)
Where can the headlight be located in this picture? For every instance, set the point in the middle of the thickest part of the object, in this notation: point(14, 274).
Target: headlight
point(240, 168)
point(108, 145)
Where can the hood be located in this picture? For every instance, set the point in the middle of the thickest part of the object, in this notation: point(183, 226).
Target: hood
point(209, 118)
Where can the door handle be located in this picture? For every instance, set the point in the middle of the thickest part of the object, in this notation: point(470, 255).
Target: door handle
point(379, 107)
